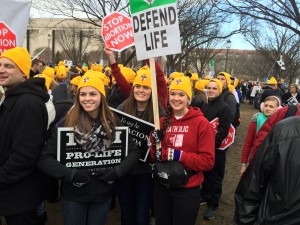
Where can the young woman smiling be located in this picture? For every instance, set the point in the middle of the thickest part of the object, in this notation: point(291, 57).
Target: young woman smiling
point(86, 193)
point(188, 139)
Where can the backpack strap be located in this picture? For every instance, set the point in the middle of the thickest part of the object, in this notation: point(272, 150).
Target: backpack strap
point(292, 110)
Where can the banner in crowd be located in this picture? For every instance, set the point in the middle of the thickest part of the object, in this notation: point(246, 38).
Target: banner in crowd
point(139, 130)
point(70, 153)
point(155, 27)
point(14, 16)
point(255, 89)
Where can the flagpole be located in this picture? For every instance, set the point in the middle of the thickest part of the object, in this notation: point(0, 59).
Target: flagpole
point(37, 55)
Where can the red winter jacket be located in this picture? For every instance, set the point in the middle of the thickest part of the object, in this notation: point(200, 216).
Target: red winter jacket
point(248, 143)
point(267, 127)
point(125, 87)
point(194, 136)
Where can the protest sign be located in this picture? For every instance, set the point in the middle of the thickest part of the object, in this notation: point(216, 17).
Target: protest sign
point(139, 130)
point(14, 16)
point(70, 153)
point(155, 27)
point(117, 31)
point(229, 139)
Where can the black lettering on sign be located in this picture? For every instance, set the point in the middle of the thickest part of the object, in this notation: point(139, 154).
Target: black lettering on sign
point(154, 19)
point(155, 40)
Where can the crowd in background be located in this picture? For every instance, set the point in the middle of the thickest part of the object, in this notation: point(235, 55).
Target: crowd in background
point(36, 100)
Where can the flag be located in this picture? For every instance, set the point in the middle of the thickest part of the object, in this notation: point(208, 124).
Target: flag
point(281, 63)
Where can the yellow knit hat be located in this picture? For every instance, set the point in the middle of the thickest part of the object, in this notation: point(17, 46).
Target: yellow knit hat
point(97, 67)
point(49, 72)
point(180, 83)
point(107, 68)
point(201, 84)
point(92, 80)
point(272, 81)
point(128, 73)
point(106, 80)
point(48, 80)
point(61, 63)
point(176, 74)
point(227, 76)
point(143, 79)
point(84, 68)
point(143, 70)
point(61, 72)
point(194, 76)
point(218, 82)
point(20, 57)
point(75, 81)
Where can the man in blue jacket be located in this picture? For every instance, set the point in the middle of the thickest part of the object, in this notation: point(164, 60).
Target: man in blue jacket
point(23, 123)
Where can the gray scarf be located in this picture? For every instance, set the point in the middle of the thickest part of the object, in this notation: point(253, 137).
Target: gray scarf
point(95, 141)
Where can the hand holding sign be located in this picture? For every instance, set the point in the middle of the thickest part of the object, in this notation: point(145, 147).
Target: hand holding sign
point(110, 55)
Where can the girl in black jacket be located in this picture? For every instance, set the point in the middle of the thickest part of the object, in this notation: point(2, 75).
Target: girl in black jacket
point(87, 189)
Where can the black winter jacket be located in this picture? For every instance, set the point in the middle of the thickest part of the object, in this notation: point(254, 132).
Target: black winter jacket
point(95, 190)
point(218, 108)
point(268, 192)
point(23, 124)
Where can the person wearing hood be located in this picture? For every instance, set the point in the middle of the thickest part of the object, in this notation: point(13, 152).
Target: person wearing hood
point(23, 120)
point(216, 108)
point(86, 192)
point(226, 95)
point(187, 140)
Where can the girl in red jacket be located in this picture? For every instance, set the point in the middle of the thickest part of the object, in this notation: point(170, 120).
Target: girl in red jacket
point(188, 139)
point(269, 107)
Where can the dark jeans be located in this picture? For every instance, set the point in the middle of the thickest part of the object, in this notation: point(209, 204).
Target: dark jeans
point(176, 206)
point(135, 195)
point(212, 186)
point(26, 218)
point(90, 213)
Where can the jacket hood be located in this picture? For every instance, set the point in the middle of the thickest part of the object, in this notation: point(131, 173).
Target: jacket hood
point(60, 93)
point(34, 86)
point(193, 112)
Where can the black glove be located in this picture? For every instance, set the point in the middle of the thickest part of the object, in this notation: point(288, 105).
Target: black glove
point(108, 175)
point(158, 135)
point(80, 179)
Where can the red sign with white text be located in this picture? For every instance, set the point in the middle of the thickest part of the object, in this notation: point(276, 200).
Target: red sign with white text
point(117, 31)
point(229, 140)
point(7, 38)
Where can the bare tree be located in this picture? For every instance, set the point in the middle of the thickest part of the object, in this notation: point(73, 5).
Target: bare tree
point(280, 13)
point(74, 40)
point(278, 41)
point(88, 11)
point(200, 24)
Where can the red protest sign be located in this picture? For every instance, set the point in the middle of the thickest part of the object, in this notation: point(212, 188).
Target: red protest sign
point(229, 140)
point(7, 38)
point(117, 31)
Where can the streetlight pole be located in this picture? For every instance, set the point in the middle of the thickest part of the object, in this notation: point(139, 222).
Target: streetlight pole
point(228, 46)
point(49, 39)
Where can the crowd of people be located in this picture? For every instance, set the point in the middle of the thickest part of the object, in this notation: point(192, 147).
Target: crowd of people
point(185, 166)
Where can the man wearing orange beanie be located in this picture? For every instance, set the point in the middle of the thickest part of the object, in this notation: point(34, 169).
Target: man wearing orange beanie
point(23, 122)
